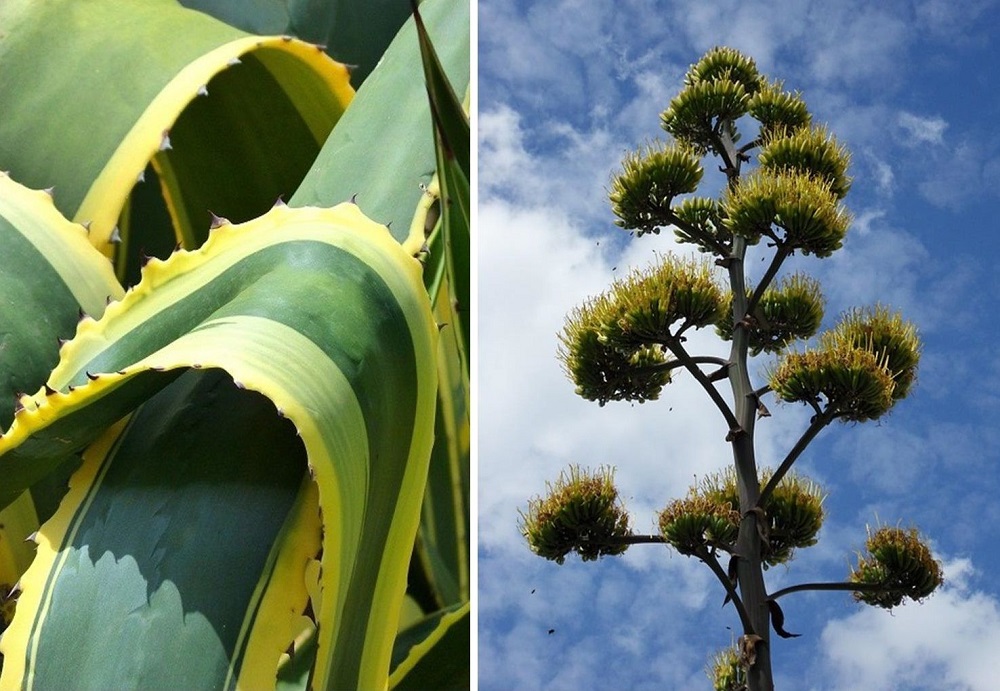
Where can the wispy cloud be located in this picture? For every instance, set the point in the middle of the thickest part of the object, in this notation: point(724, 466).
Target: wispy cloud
point(952, 641)
point(922, 129)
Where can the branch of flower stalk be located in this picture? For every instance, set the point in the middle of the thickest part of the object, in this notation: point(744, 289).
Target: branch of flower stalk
point(718, 247)
point(850, 587)
point(675, 347)
point(698, 360)
point(635, 539)
point(817, 423)
point(780, 254)
point(709, 558)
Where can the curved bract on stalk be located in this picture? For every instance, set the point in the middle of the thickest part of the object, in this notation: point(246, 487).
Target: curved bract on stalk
point(860, 368)
point(900, 563)
point(581, 513)
point(790, 311)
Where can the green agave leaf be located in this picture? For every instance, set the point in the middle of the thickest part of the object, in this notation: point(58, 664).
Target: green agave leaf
point(67, 277)
point(227, 121)
point(382, 150)
point(432, 653)
point(324, 314)
point(355, 33)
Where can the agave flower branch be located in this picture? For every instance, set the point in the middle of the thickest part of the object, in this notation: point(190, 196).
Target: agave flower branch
point(626, 344)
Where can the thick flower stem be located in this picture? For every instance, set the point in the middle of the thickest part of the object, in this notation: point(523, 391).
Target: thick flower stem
point(748, 544)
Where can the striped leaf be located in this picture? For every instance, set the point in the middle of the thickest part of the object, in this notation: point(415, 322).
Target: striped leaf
point(224, 121)
point(183, 553)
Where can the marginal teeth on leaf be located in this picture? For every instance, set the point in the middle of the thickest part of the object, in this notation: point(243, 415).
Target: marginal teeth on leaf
point(141, 177)
point(233, 62)
point(218, 221)
point(32, 538)
point(116, 236)
point(92, 377)
point(165, 142)
point(202, 91)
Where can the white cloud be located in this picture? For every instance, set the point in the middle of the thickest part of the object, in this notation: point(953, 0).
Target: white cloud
point(951, 642)
point(921, 129)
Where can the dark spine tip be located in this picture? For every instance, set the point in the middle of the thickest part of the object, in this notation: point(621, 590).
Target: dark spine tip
point(354, 199)
point(18, 406)
point(49, 391)
point(217, 221)
point(279, 202)
point(92, 377)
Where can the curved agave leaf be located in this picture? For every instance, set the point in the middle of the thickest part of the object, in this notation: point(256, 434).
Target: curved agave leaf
point(227, 122)
point(429, 654)
point(67, 278)
point(351, 371)
point(355, 33)
point(382, 150)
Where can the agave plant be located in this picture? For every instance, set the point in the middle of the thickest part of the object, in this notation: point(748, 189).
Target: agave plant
point(235, 429)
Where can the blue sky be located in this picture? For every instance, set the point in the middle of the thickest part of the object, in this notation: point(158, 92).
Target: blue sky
point(565, 88)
